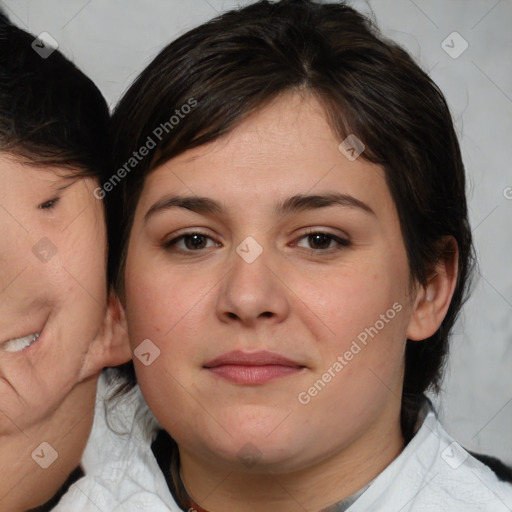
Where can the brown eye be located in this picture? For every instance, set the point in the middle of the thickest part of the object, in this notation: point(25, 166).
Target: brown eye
point(196, 241)
point(322, 242)
point(190, 243)
point(47, 205)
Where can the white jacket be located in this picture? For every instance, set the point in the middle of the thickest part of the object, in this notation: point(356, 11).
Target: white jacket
point(432, 474)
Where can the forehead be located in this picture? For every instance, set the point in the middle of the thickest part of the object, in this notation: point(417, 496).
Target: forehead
point(17, 171)
point(286, 148)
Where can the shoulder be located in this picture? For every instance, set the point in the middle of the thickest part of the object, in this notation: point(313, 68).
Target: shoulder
point(434, 473)
point(473, 482)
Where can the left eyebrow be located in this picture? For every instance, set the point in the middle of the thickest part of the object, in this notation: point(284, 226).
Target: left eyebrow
point(293, 204)
point(300, 203)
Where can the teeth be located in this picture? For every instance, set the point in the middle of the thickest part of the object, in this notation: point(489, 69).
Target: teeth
point(19, 344)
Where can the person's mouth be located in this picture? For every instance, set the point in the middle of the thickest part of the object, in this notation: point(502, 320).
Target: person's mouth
point(252, 368)
point(19, 344)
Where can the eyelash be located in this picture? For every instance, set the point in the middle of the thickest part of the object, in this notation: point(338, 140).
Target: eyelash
point(48, 205)
point(342, 242)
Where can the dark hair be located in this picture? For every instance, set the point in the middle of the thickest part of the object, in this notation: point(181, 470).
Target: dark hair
point(51, 114)
point(368, 86)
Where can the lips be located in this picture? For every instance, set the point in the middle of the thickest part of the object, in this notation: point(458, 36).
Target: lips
point(252, 368)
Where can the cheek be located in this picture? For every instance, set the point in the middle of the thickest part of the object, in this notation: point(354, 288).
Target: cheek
point(361, 366)
point(147, 310)
point(360, 325)
point(78, 291)
point(160, 300)
point(83, 248)
point(164, 311)
point(350, 299)
point(165, 315)
point(80, 272)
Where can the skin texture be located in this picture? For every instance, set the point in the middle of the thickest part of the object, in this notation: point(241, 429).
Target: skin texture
point(52, 281)
point(300, 298)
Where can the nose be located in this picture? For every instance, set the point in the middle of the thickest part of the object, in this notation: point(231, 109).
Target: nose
point(253, 292)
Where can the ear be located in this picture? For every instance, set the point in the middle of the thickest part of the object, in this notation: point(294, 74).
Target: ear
point(433, 299)
point(111, 346)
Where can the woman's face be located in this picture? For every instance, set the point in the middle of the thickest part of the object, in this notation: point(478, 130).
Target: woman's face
point(52, 290)
point(268, 293)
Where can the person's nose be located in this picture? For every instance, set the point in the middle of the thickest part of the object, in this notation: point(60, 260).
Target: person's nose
point(253, 291)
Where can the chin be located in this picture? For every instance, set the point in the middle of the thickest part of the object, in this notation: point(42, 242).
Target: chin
point(252, 450)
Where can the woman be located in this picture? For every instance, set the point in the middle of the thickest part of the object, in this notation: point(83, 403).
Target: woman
point(294, 251)
point(58, 328)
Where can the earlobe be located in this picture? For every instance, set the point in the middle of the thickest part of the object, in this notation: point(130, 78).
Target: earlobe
point(433, 299)
point(111, 346)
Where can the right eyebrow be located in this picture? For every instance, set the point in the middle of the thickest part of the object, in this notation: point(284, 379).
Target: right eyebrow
point(196, 204)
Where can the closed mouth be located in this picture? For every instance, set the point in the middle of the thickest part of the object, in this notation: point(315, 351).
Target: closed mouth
point(261, 358)
point(254, 368)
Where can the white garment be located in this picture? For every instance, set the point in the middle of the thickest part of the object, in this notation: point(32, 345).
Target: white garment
point(121, 472)
point(435, 474)
point(432, 474)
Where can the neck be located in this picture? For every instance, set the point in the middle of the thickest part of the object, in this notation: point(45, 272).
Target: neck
point(25, 484)
point(313, 488)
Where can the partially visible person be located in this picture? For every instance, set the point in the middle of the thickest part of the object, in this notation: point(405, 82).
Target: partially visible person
point(58, 326)
point(295, 250)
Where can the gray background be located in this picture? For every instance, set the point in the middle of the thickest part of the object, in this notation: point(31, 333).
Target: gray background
point(113, 40)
